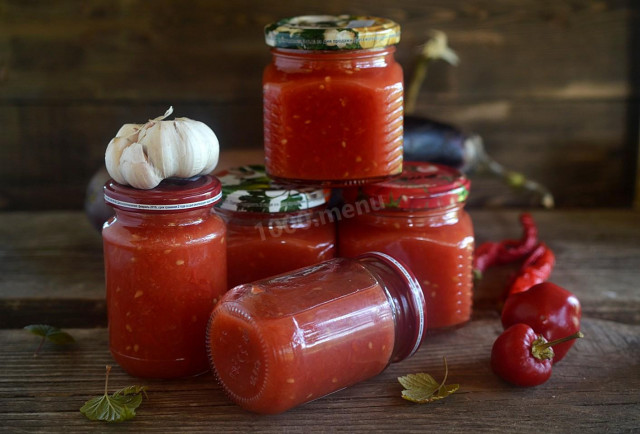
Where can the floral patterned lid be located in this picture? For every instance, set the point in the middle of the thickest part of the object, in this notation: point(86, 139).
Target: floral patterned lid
point(248, 188)
point(331, 32)
point(420, 186)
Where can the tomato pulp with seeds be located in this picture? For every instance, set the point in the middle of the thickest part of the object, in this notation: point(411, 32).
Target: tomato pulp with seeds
point(439, 256)
point(271, 228)
point(278, 343)
point(260, 246)
point(425, 226)
point(164, 270)
point(333, 118)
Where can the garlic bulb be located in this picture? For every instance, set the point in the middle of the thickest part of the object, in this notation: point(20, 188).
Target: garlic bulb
point(142, 155)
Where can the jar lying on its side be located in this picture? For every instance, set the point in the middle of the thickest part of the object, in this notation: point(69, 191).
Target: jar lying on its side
point(421, 221)
point(333, 100)
point(278, 343)
point(165, 267)
point(272, 229)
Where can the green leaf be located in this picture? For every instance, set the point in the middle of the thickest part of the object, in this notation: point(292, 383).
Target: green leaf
point(52, 334)
point(291, 203)
point(422, 388)
point(391, 203)
point(447, 390)
point(463, 194)
point(418, 387)
point(111, 408)
point(254, 200)
point(131, 390)
point(118, 407)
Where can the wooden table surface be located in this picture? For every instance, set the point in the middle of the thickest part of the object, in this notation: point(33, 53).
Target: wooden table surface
point(51, 272)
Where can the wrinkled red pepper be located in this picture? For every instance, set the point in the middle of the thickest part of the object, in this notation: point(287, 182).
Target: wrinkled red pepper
point(491, 253)
point(536, 268)
point(485, 257)
point(549, 309)
point(522, 357)
point(513, 250)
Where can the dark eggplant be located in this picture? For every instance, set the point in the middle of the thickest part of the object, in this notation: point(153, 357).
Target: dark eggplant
point(95, 208)
point(436, 142)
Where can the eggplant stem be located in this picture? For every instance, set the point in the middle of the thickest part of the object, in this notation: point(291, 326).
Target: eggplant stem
point(435, 48)
point(513, 179)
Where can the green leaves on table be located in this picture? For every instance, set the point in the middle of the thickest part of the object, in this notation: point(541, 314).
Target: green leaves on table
point(49, 333)
point(423, 388)
point(118, 407)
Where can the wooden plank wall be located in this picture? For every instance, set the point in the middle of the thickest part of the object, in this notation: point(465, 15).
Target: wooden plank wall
point(551, 85)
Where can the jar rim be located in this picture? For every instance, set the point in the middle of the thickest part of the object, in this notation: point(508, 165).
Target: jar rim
point(416, 299)
point(171, 195)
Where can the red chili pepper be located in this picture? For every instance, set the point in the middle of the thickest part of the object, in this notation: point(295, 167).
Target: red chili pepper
point(550, 310)
point(504, 252)
point(484, 257)
point(514, 250)
point(536, 269)
point(522, 357)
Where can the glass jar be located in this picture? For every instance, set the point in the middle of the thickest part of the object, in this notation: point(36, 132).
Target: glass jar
point(278, 343)
point(333, 100)
point(165, 268)
point(423, 223)
point(272, 229)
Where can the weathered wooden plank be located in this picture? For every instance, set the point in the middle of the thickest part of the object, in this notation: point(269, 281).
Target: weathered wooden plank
point(51, 266)
point(215, 50)
point(578, 150)
point(585, 393)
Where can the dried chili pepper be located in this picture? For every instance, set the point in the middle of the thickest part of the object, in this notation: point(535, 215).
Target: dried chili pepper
point(493, 253)
point(514, 250)
point(536, 269)
point(522, 357)
point(484, 257)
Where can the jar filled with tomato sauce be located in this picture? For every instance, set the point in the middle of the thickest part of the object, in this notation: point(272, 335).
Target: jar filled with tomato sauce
point(165, 267)
point(333, 100)
point(422, 222)
point(272, 229)
point(284, 341)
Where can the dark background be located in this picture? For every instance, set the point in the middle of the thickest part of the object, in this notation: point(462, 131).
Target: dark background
point(551, 86)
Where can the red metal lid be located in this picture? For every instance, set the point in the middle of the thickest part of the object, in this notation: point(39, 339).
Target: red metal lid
point(421, 185)
point(173, 194)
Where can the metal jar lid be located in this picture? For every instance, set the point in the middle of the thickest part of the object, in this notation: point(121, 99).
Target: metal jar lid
point(421, 186)
point(331, 32)
point(172, 194)
point(249, 188)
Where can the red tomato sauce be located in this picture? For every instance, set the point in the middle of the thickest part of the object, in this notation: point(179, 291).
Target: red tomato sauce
point(260, 246)
point(437, 246)
point(164, 274)
point(278, 343)
point(333, 118)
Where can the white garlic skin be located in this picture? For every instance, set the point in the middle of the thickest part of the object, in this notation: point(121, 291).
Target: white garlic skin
point(142, 155)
